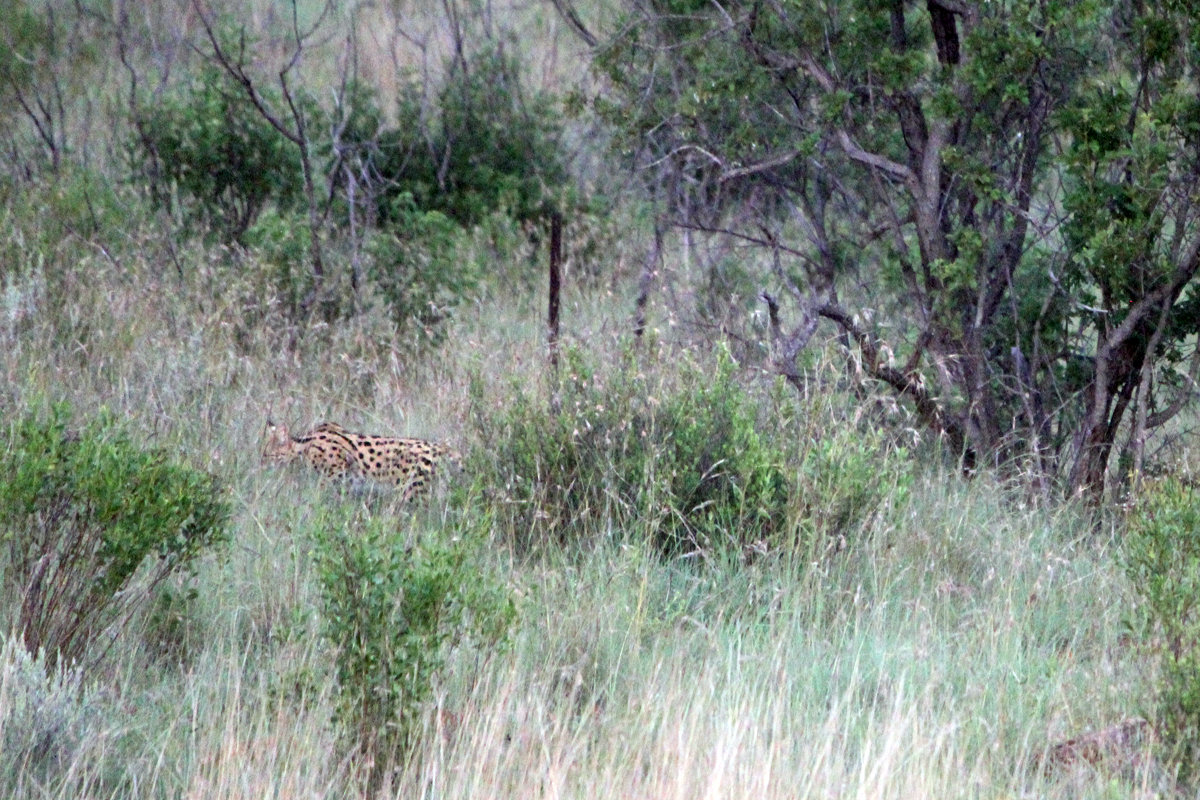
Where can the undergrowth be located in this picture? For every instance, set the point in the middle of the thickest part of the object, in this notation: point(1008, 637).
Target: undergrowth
point(688, 457)
point(393, 603)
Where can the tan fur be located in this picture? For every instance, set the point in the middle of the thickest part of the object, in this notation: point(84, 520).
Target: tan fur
point(337, 453)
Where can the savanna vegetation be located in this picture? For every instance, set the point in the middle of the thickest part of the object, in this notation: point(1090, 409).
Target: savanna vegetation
point(857, 460)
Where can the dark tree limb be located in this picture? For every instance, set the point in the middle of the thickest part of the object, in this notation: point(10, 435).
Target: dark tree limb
point(556, 223)
point(905, 385)
point(567, 12)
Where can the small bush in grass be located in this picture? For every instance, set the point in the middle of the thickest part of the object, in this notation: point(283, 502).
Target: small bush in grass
point(1162, 559)
point(420, 270)
point(82, 512)
point(57, 235)
point(168, 633)
point(391, 609)
point(685, 463)
point(278, 266)
point(725, 481)
point(846, 472)
point(694, 463)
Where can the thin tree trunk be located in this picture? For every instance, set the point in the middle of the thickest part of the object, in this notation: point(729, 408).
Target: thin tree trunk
point(1137, 439)
point(556, 223)
point(649, 269)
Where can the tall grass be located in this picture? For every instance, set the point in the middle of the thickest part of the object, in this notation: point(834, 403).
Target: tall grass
point(946, 675)
point(937, 647)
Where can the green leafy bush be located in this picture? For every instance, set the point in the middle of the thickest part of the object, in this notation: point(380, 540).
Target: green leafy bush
point(846, 472)
point(278, 265)
point(211, 149)
point(391, 608)
point(684, 463)
point(1162, 559)
point(51, 232)
point(82, 512)
point(484, 146)
point(420, 270)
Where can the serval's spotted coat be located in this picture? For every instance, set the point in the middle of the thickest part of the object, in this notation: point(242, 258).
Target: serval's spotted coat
point(333, 451)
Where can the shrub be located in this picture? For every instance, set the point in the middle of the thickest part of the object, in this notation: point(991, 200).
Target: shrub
point(484, 147)
point(209, 147)
point(278, 265)
point(81, 513)
point(688, 466)
point(725, 481)
point(1162, 559)
point(391, 608)
point(847, 472)
point(52, 229)
point(420, 270)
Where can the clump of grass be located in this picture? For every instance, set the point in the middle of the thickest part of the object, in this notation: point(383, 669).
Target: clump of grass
point(46, 713)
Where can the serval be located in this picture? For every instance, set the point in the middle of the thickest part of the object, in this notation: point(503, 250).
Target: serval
point(333, 451)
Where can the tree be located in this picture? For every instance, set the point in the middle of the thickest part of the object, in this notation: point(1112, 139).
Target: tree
point(293, 121)
point(47, 54)
point(1004, 187)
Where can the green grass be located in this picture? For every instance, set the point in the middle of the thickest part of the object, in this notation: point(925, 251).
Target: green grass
point(937, 653)
point(936, 650)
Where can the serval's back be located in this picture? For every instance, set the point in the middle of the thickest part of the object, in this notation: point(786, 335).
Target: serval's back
point(333, 451)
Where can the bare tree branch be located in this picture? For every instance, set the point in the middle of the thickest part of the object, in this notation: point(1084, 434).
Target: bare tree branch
point(762, 166)
point(567, 12)
point(903, 384)
point(296, 133)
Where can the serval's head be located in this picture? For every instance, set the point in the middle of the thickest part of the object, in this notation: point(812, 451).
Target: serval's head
point(279, 448)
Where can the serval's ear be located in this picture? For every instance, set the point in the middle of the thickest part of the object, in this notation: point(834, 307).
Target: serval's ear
point(278, 444)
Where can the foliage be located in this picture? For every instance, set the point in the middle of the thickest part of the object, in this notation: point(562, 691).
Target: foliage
point(48, 57)
point(208, 148)
point(391, 609)
point(169, 634)
point(279, 240)
point(723, 480)
point(52, 225)
point(82, 512)
point(483, 147)
point(1162, 559)
point(419, 267)
point(695, 463)
point(847, 472)
point(26, 33)
point(937, 150)
point(688, 464)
